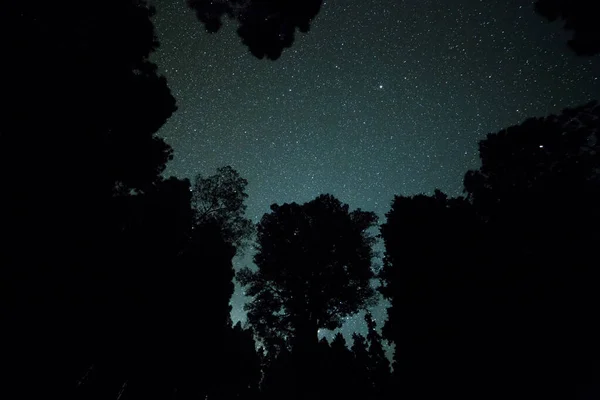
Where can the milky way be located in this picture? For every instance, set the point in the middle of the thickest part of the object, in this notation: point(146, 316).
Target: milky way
point(379, 98)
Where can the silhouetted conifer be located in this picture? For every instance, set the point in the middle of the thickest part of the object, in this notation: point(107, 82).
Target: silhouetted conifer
point(378, 366)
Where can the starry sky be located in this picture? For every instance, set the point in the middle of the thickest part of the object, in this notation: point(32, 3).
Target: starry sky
point(380, 98)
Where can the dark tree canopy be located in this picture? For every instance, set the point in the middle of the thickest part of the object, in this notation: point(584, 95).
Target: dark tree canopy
point(555, 155)
point(337, 370)
point(116, 282)
point(580, 17)
point(431, 256)
point(541, 176)
point(81, 111)
point(359, 375)
point(170, 296)
point(265, 26)
point(378, 365)
point(219, 199)
point(496, 290)
point(81, 108)
point(314, 268)
point(538, 190)
point(242, 365)
point(104, 102)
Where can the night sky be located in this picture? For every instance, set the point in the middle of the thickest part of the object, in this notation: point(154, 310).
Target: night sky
point(379, 98)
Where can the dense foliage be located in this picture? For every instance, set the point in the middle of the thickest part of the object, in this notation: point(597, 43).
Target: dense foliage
point(266, 27)
point(314, 268)
point(115, 282)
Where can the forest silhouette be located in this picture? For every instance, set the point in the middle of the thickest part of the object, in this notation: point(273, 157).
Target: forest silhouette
point(116, 281)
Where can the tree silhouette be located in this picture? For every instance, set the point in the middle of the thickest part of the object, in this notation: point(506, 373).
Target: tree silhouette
point(314, 268)
point(116, 100)
point(266, 27)
point(359, 374)
point(491, 295)
point(431, 277)
point(580, 17)
point(88, 118)
point(242, 365)
point(554, 155)
point(538, 190)
point(368, 373)
point(83, 105)
point(171, 305)
point(219, 199)
point(108, 268)
point(378, 366)
point(335, 377)
point(207, 356)
point(280, 375)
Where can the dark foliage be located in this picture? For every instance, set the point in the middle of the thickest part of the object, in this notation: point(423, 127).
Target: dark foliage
point(492, 296)
point(337, 371)
point(112, 282)
point(96, 106)
point(431, 261)
point(314, 268)
point(219, 199)
point(580, 17)
point(377, 365)
point(242, 365)
point(170, 300)
point(539, 190)
point(81, 108)
point(280, 372)
point(115, 282)
point(538, 164)
point(78, 134)
point(359, 376)
point(267, 27)
point(337, 367)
